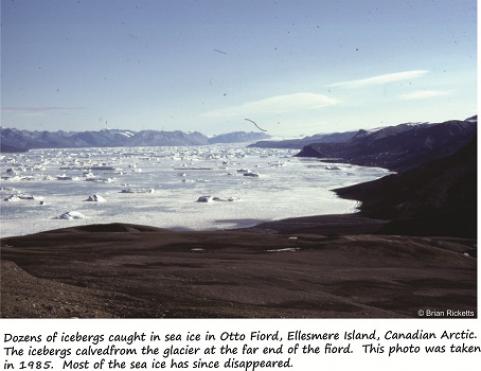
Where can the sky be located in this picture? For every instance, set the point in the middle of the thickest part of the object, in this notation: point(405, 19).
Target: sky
point(294, 67)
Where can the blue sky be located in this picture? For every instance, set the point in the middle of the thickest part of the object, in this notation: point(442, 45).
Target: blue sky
point(295, 67)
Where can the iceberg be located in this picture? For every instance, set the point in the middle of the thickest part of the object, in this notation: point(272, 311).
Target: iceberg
point(252, 174)
point(12, 198)
point(71, 215)
point(95, 198)
point(205, 199)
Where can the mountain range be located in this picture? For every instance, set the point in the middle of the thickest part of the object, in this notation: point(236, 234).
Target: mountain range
point(399, 148)
point(436, 198)
point(299, 143)
point(238, 137)
point(14, 140)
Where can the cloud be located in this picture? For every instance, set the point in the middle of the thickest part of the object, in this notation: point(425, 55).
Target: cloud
point(39, 109)
point(380, 79)
point(275, 105)
point(424, 94)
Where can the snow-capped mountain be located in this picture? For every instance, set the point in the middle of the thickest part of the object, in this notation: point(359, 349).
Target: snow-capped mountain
point(14, 140)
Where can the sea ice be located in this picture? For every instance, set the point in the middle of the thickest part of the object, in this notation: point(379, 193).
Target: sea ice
point(291, 190)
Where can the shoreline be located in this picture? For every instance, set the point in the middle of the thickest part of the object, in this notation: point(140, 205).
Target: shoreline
point(341, 223)
point(328, 223)
point(275, 270)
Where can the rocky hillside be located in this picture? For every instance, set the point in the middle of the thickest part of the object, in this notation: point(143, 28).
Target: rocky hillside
point(400, 147)
point(437, 198)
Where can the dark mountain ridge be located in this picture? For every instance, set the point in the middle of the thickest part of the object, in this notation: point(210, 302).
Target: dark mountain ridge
point(399, 148)
point(436, 198)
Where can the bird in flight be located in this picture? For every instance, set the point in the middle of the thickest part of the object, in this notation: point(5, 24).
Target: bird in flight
point(219, 51)
point(257, 126)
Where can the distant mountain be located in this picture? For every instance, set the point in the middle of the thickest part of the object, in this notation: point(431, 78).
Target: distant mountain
point(400, 147)
point(10, 148)
point(299, 143)
point(472, 119)
point(166, 138)
point(14, 140)
point(437, 198)
point(103, 138)
point(238, 137)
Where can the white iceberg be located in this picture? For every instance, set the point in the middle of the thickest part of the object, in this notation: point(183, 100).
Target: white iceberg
point(230, 199)
point(66, 177)
point(24, 196)
point(71, 215)
point(12, 198)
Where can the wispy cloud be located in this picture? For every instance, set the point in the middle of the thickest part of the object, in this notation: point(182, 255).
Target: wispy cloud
point(380, 79)
point(424, 94)
point(38, 109)
point(274, 105)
